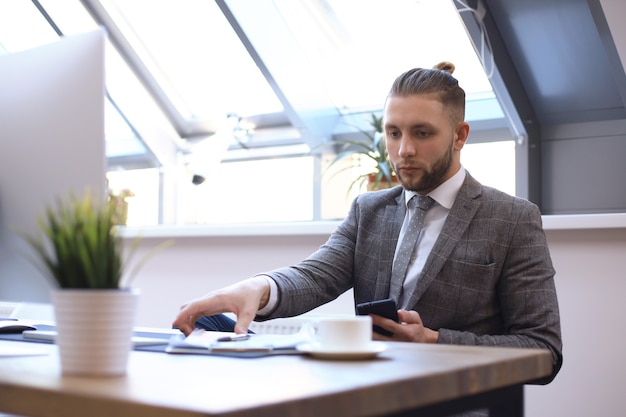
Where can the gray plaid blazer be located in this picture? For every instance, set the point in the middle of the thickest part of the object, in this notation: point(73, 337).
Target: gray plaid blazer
point(488, 280)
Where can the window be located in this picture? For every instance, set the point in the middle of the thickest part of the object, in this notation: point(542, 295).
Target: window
point(277, 77)
point(145, 206)
point(492, 163)
point(199, 64)
point(268, 190)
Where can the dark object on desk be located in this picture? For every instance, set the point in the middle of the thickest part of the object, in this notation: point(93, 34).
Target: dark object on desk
point(14, 326)
point(235, 338)
point(385, 308)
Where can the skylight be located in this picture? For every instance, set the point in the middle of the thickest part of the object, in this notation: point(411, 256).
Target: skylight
point(196, 58)
point(208, 59)
point(359, 47)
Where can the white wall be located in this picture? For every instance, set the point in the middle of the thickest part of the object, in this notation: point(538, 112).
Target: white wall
point(591, 284)
point(590, 281)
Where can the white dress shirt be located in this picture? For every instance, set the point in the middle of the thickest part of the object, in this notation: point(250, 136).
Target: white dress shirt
point(435, 217)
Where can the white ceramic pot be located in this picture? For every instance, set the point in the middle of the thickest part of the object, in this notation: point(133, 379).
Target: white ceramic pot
point(94, 330)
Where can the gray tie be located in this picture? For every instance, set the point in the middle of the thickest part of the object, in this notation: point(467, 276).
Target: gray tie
point(402, 260)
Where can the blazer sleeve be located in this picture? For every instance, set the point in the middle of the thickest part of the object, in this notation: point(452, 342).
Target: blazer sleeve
point(321, 277)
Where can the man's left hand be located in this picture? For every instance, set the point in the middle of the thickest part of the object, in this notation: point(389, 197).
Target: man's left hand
point(410, 329)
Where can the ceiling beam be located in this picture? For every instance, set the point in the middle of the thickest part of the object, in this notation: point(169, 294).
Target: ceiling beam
point(608, 16)
point(508, 88)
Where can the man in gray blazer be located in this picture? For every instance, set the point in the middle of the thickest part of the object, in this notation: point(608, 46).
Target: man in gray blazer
point(480, 272)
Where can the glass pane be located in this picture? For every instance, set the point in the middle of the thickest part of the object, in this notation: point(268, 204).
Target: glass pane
point(143, 186)
point(22, 26)
point(69, 15)
point(338, 186)
point(491, 163)
point(120, 139)
point(197, 58)
point(271, 190)
point(359, 47)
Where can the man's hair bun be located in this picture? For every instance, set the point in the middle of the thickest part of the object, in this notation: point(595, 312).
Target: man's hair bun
point(445, 66)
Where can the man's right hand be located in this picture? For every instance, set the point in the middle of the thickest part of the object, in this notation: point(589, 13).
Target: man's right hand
point(244, 299)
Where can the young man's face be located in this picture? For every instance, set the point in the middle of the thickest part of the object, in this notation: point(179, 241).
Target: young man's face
point(423, 142)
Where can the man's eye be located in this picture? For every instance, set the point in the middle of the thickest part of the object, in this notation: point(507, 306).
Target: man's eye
point(393, 134)
point(423, 133)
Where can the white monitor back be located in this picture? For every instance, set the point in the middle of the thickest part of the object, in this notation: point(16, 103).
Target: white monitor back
point(51, 144)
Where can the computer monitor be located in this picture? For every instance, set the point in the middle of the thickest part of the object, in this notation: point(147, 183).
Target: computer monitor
point(51, 144)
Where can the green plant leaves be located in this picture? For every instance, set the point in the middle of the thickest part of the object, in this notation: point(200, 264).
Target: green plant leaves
point(372, 147)
point(79, 247)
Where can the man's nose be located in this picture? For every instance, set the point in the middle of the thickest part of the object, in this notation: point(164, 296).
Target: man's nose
point(407, 147)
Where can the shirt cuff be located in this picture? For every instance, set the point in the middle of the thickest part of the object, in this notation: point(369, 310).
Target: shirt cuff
point(273, 300)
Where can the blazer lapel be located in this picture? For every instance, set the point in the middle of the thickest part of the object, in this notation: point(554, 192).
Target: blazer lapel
point(461, 214)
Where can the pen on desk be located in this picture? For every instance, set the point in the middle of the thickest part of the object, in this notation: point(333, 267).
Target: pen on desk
point(234, 338)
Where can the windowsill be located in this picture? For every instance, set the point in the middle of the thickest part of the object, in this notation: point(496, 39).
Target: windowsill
point(584, 221)
point(553, 222)
point(247, 229)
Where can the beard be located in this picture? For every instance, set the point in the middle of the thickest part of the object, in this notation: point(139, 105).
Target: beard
point(432, 177)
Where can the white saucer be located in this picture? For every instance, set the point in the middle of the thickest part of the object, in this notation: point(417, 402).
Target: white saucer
point(322, 352)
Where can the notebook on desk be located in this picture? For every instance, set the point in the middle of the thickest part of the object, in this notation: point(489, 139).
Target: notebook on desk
point(204, 342)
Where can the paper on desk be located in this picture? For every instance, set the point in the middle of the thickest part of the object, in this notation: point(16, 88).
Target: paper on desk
point(202, 341)
point(9, 351)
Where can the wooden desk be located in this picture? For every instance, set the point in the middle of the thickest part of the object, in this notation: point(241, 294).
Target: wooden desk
point(406, 377)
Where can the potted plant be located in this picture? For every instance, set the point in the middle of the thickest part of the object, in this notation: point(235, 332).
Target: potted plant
point(373, 148)
point(118, 200)
point(94, 306)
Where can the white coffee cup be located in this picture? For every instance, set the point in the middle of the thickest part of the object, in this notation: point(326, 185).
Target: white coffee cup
point(344, 333)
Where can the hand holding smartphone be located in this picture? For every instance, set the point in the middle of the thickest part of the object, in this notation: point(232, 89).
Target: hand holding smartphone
point(384, 308)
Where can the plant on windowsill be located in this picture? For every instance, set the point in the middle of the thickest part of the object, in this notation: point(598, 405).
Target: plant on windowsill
point(373, 148)
point(120, 205)
point(78, 249)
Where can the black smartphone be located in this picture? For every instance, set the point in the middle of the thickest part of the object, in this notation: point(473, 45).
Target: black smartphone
point(384, 308)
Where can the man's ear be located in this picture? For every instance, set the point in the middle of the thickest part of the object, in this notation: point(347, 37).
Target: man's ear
point(460, 135)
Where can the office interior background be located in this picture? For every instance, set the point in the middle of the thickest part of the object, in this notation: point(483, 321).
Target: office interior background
point(246, 92)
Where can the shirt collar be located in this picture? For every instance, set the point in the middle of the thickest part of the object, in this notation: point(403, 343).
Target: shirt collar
point(446, 193)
